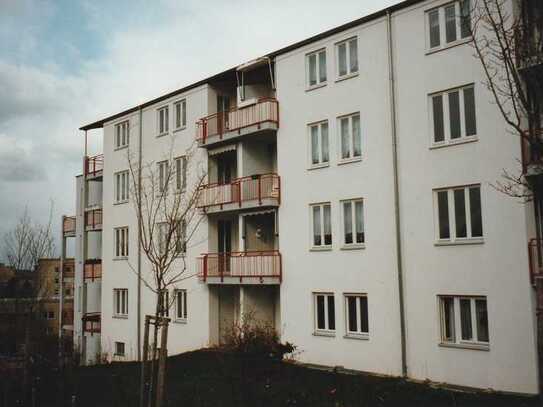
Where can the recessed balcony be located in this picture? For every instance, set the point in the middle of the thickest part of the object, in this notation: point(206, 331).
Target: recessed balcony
point(250, 267)
point(532, 152)
point(93, 220)
point(68, 226)
point(92, 323)
point(92, 269)
point(259, 117)
point(262, 190)
point(94, 166)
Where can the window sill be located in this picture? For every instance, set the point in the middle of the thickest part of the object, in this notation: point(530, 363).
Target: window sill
point(324, 333)
point(465, 346)
point(318, 166)
point(180, 321)
point(180, 128)
point(360, 337)
point(321, 249)
point(120, 316)
point(162, 134)
point(349, 160)
point(357, 246)
point(120, 202)
point(318, 86)
point(123, 258)
point(450, 45)
point(464, 140)
point(348, 76)
point(120, 148)
point(459, 242)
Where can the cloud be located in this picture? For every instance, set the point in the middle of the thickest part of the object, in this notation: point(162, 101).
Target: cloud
point(17, 164)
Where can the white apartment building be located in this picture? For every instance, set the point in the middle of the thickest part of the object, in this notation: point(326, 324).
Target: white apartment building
point(348, 203)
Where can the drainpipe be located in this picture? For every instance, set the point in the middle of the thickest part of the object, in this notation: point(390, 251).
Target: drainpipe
point(397, 218)
point(140, 148)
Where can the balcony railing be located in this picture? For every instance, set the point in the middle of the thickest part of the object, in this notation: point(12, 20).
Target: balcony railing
point(91, 322)
point(68, 225)
point(94, 165)
point(256, 189)
point(265, 110)
point(93, 219)
point(531, 155)
point(92, 269)
point(248, 265)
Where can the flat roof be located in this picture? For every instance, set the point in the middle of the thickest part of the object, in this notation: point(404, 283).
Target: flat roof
point(378, 14)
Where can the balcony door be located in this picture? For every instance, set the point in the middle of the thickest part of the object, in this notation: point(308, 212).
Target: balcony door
point(223, 106)
point(225, 245)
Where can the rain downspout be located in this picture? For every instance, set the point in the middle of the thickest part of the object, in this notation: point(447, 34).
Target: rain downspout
point(140, 149)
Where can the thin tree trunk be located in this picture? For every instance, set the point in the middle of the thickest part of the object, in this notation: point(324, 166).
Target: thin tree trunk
point(161, 383)
point(143, 379)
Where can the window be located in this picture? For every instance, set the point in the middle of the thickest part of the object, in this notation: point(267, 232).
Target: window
point(353, 222)
point(453, 115)
point(325, 318)
point(356, 314)
point(165, 306)
point(464, 320)
point(458, 213)
point(122, 134)
point(316, 68)
point(350, 137)
point(449, 24)
point(181, 304)
point(180, 173)
point(121, 242)
point(164, 176)
point(120, 302)
point(180, 114)
point(49, 315)
point(320, 146)
point(121, 186)
point(180, 237)
point(163, 120)
point(119, 348)
point(322, 225)
point(347, 57)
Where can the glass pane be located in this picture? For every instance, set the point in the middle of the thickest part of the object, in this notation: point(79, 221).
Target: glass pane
point(331, 313)
point(475, 212)
point(359, 220)
point(322, 66)
point(450, 23)
point(118, 187)
point(448, 319)
point(353, 55)
point(184, 304)
point(348, 222)
point(324, 143)
point(437, 105)
point(178, 173)
point(312, 70)
point(460, 212)
point(178, 115)
point(166, 119)
point(179, 305)
point(184, 113)
point(433, 17)
point(317, 226)
point(342, 59)
point(314, 144)
point(320, 312)
point(465, 18)
point(351, 307)
point(465, 319)
point(443, 213)
point(454, 114)
point(364, 325)
point(345, 148)
point(469, 111)
point(357, 137)
point(482, 320)
point(327, 225)
point(161, 121)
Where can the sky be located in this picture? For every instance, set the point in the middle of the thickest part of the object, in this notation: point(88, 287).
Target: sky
point(67, 63)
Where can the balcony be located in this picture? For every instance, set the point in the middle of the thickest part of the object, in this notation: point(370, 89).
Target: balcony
point(94, 166)
point(252, 267)
point(529, 39)
point(241, 193)
point(92, 269)
point(91, 323)
point(68, 226)
point(532, 158)
point(93, 220)
point(259, 117)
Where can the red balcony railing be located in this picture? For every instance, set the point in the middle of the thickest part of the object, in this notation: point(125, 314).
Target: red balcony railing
point(531, 155)
point(93, 165)
point(68, 225)
point(91, 322)
point(92, 269)
point(255, 188)
point(242, 265)
point(93, 219)
point(265, 110)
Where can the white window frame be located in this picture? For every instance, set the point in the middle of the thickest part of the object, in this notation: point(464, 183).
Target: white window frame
point(322, 246)
point(321, 162)
point(359, 333)
point(117, 353)
point(163, 120)
point(120, 302)
point(323, 331)
point(352, 157)
point(318, 82)
point(122, 134)
point(121, 242)
point(443, 44)
point(452, 216)
point(354, 244)
point(350, 73)
point(181, 106)
point(121, 187)
point(457, 340)
point(180, 173)
point(181, 314)
point(447, 140)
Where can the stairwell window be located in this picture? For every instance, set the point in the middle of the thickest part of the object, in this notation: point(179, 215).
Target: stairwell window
point(121, 187)
point(119, 349)
point(347, 58)
point(356, 315)
point(458, 214)
point(180, 173)
point(350, 138)
point(322, 225)
point(319, 144)
point(163, 120)
point(121, 242)
point(316, 68)
point(464, 320)
point(181, 237)
point(181, 305)
point(448, 24)
point(120, 302)
point(352, 212)
point(452, 115)
point(180, 109)
point(122, 134)
point(164, 176)
point(325, 317)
